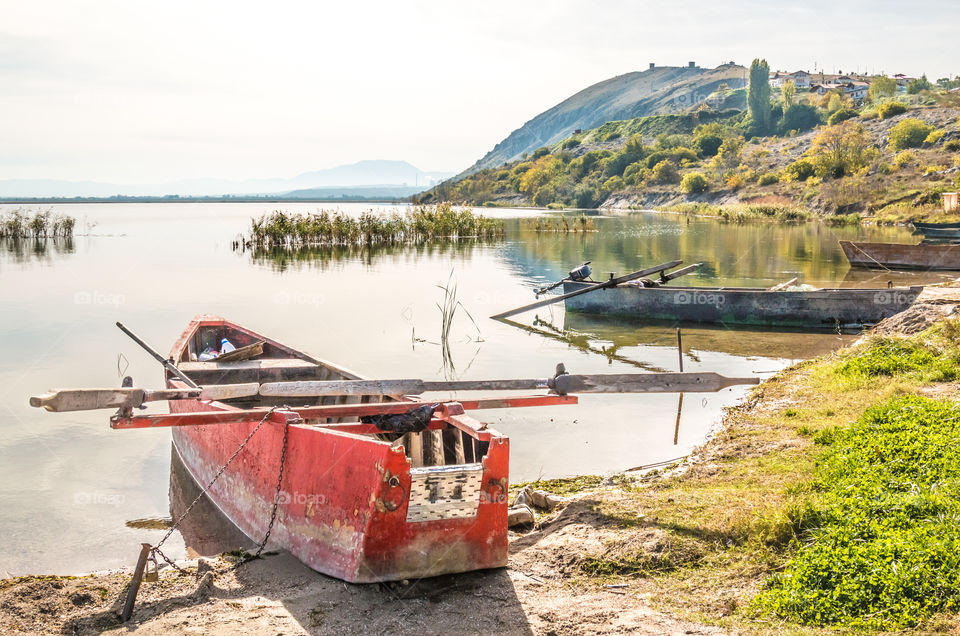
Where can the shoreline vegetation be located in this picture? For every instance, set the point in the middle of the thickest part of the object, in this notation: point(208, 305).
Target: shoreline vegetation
point(22, 224)
point(830, 500)
point(325, 228)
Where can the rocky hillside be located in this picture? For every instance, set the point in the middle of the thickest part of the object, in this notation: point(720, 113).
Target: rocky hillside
point(662, 89)
point(879, 164)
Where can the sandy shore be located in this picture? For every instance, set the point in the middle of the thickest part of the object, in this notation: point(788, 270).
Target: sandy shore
point(278, 595)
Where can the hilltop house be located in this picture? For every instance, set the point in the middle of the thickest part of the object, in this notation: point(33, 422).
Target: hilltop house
point(902, 81)
point(854, 89)
point(801, 79)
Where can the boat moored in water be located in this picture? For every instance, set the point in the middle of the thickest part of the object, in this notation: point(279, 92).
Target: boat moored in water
point(806, 308)
point(925, 256)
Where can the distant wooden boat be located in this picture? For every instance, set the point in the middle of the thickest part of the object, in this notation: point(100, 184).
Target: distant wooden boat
point(936, 226)
point(941, 233)
point(817, 309)
point(902, 256)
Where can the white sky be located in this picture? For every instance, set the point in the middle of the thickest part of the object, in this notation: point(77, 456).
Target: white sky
point(129, 91)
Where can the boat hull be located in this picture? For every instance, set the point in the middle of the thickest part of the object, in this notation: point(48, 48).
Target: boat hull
point(351, 505)
point(824, 308)
point(936, 226)
point(902, 256)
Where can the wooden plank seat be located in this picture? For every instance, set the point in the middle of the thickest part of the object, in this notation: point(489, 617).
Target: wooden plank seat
point(262, 370)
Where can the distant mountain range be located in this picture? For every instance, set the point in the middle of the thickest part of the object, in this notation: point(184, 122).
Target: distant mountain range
point(658, 90)
point(371, 178)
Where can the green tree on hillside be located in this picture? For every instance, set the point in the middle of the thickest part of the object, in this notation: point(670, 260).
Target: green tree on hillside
point(882, 87)
point(841, 150)
point(917, 85)
point(789, 93)
point(758, 97)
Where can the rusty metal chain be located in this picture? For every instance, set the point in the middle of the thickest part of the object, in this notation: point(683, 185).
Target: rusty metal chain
point(276, 500)
point(156, 549)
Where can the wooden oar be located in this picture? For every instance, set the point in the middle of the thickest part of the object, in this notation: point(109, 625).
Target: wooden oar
point(166, 362)
point(783, 285)
point(683, 271)
point(561, 384)
point(63, 400)
point(613, 282)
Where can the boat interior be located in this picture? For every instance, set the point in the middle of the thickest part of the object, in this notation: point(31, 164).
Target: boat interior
point(278, 363)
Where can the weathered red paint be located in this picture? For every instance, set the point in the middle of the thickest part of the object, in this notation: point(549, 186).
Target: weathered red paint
point(345, 509)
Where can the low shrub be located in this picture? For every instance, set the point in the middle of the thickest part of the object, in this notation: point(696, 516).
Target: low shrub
point(768, 178)
point(799, 170)
point(841, 115)
point(890, 109)
point(934, 136)
point(694, 183)
point(666, 172)
point(909, 133)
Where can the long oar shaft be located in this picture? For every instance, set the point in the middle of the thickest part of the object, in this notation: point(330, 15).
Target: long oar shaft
point(562, 384)
point(613, 282)
point(166, 362)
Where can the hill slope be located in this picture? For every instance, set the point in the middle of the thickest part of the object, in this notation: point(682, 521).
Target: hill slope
point(662, 89)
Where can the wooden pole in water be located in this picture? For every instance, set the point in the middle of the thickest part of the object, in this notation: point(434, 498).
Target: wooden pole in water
point(135, 583)
point(676, 428)
point(680, 348)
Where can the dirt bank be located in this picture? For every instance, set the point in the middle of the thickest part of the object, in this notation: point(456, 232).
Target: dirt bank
point(278, 595)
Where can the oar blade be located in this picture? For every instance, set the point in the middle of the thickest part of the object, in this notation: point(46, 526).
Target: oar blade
point(647, 383)
point(65, 400)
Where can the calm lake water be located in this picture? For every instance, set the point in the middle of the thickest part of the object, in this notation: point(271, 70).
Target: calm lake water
point(69, 484)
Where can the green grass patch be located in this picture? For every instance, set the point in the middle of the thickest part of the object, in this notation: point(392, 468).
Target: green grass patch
point(915, 359)
point(882, 544)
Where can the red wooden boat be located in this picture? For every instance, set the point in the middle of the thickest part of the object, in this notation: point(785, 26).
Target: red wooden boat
point(356, 504)
point(366, 485)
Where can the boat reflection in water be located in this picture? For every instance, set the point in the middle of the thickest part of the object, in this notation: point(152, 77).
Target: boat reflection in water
point(206, 531)
point(618, 333)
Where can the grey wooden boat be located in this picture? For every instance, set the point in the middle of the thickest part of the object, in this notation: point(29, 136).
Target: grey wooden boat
point(811, 309)
point(902, 255)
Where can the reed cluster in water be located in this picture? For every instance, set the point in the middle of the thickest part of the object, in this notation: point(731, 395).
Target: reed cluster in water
point(419, 225)
point(22, 224)
point(562, 224)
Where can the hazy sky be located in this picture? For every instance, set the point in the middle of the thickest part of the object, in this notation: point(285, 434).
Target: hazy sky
point(131, 91)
